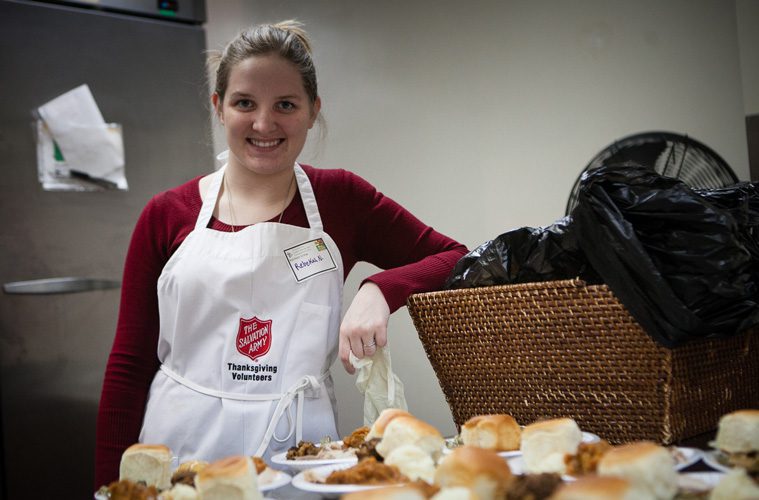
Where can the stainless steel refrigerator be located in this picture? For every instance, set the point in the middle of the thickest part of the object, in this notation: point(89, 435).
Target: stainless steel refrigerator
point(144, 64)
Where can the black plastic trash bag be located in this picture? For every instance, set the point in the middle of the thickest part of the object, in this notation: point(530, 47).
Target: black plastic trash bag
point(684, 262)
point(524, 255)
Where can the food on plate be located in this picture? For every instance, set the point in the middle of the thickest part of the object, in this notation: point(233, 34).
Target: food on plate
point(306, 450)
point(231, 478)
point(738, 439)
point(545, 443)
point(406, 492)
point(148, 463)
point(185, 473)
point(356, 438)
point(454, 493)
point(365, 472)
point(302, 450)
point(369, 449)
point(327, 449)
point(126, 489)
point(648, 466)
point(413, 462)
point(597, 488)
point(405, 429)
point(735, 484)
point(180, 492)
point(377, 430)
point(482, 471)
point(585, 459)
point(494, 432)
point(533, 486)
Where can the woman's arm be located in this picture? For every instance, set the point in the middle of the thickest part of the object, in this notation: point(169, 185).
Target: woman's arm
point(414, 257)
point(133, 361)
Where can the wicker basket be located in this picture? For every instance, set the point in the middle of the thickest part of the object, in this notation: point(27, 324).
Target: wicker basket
point(563, 348)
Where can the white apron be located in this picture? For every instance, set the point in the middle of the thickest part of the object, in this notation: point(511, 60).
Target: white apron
point(249, 326)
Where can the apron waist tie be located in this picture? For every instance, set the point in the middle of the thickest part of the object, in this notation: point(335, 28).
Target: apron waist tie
point(307, 385)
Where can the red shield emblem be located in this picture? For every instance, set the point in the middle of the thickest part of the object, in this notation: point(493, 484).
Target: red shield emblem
point(253, 337)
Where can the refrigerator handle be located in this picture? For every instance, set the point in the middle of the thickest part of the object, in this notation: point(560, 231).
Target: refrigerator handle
point(59, 285)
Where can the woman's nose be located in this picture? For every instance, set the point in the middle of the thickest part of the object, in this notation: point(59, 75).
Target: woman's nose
point(263, 121)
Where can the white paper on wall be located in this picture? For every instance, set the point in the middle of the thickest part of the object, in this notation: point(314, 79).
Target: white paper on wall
point(76, 149)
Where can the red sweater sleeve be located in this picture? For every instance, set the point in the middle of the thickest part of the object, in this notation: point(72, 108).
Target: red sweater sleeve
point(369, 226)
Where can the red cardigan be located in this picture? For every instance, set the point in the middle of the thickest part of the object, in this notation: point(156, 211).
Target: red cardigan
point(366, 226)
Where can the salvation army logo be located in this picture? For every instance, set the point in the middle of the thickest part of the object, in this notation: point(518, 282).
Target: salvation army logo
point(253, 337)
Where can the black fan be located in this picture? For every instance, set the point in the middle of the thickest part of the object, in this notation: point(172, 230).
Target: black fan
point(669, 154)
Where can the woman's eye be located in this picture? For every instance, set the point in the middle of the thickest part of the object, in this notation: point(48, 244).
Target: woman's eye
point(286, 106)
point(244, 103)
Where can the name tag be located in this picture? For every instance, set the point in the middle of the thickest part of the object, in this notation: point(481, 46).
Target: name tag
point(309, 259)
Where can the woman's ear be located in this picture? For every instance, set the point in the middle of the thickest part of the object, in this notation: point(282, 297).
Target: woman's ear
point(315, 108)
point(217, 107)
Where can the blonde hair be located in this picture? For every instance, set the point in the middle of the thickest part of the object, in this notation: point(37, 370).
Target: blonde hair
point(286, 38)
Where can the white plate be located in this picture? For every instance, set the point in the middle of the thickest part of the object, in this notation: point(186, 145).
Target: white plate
point(304, 464)
point(330, 490)
point(277, 481)
point(690, 457)
point(711, 458)
point(685, 457)
point(587, 437)
point(698, 481)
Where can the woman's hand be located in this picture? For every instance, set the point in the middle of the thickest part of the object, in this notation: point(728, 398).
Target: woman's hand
point(364, 326)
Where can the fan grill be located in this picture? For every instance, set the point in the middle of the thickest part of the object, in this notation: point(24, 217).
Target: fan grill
point(668, 154)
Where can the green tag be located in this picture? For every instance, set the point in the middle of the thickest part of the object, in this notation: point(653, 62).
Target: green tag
point(57, 152)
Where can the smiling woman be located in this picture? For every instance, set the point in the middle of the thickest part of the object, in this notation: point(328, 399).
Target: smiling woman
point(244, 268)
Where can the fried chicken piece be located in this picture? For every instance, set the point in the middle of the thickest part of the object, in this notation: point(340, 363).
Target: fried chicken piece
point(356, 438)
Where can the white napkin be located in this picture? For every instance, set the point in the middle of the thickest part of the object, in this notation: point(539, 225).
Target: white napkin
point(77, 126)
point(381, 387)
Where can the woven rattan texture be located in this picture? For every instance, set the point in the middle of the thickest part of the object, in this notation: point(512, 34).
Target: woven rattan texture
point(561, 348)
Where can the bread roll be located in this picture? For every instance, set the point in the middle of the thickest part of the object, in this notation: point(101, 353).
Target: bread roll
point(413, 462)
point(735, 484)
point(597, 488)
point(377, 430)
point(545, 443)
point(387, 493)
point(493, 432)
point(738, 432)
point(648, 466)
point(405, 429)
point(231, 478)
point(150, 463)
point(191, 466)
point(454, 493)
point(180, 492)
point(482, 471)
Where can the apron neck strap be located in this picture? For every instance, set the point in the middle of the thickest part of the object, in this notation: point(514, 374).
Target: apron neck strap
point(209, 203)
point(309, 200)
point(304, 186)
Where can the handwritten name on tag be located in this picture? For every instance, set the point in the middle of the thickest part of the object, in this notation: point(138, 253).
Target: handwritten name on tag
point(310, 259)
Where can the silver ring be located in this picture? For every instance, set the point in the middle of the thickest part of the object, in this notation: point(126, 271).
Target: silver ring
point(372, 344)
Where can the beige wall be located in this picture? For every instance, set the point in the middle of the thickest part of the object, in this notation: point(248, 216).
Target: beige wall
point(478, 116)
